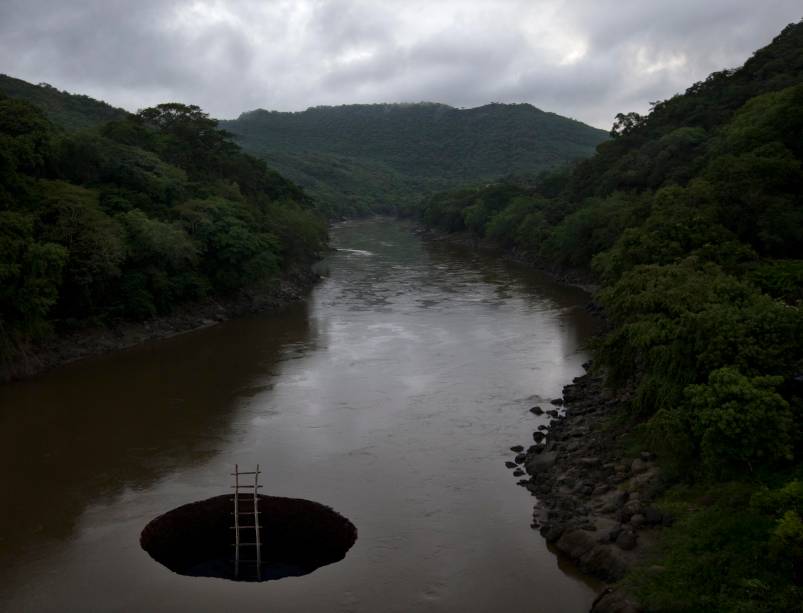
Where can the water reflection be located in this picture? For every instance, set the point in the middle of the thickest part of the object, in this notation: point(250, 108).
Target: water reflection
point(393, 396)
point(85, 432)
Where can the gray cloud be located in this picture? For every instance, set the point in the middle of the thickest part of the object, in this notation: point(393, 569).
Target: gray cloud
point(584, 58)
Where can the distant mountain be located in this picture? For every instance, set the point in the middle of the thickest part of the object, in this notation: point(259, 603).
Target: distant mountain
point(71, 111)
point(361, 158)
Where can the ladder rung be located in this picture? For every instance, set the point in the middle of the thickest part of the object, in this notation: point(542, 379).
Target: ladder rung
point(257, 472)
point(236, 486)
point(248, 512)
point(242, 527)
point(246, 544)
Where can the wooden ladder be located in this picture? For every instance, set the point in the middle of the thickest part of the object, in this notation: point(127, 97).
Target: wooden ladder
point(252, 499)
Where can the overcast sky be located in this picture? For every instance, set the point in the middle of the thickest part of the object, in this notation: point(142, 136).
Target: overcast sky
point(587, 59)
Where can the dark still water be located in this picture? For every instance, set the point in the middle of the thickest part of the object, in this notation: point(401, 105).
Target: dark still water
point(392, 396)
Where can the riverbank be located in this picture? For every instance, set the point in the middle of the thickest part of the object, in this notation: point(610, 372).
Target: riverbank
point(100, 339)
point(408, 365)
point(594, 503)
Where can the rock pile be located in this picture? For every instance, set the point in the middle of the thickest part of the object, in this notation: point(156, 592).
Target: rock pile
point(594, 506)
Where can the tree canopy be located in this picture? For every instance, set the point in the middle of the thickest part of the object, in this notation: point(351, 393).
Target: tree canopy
point(135, 216)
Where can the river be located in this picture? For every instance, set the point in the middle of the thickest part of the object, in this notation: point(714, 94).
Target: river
point(393, 395)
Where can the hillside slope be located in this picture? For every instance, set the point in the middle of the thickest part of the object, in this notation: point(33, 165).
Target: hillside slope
point(71, 111)
point(358, 158)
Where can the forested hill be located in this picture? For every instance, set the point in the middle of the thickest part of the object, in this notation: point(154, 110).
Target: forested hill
point(71, 111)
point(132, 218)
point(691, 219)
point(359, 158)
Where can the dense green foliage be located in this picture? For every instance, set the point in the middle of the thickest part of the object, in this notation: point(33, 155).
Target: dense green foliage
point(691, 219)
point(735, 547)
point(71, 111)
point(135, 217)
point(368, 158)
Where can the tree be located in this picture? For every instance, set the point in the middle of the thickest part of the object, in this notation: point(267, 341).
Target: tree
point(189, 138)
point(30, 276)
point(740, 421)
point(626, 123)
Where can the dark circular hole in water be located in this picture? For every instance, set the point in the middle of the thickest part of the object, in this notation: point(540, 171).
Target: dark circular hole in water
point(297, 536)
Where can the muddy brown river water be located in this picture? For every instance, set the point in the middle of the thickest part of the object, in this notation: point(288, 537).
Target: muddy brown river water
point(392, 395)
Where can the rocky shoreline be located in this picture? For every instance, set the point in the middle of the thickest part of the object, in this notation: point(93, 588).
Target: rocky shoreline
point(101, 339)
point(592, 506)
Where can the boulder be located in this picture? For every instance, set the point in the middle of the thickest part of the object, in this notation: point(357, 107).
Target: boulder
point(612, 600)
point(638, 520)
point(552, 533)
point(565, 481)
point(630, 508)
point(575, 543)
point(606, 562)
point(539, 462)
point(638, 466)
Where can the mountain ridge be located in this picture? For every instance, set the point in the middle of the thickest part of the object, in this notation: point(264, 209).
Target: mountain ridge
point(357, 159)
point(403, 151)
point(69, 110)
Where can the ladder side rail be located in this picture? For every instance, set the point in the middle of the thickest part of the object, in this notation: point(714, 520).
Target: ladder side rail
point(256, 521)
point(236, 520)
